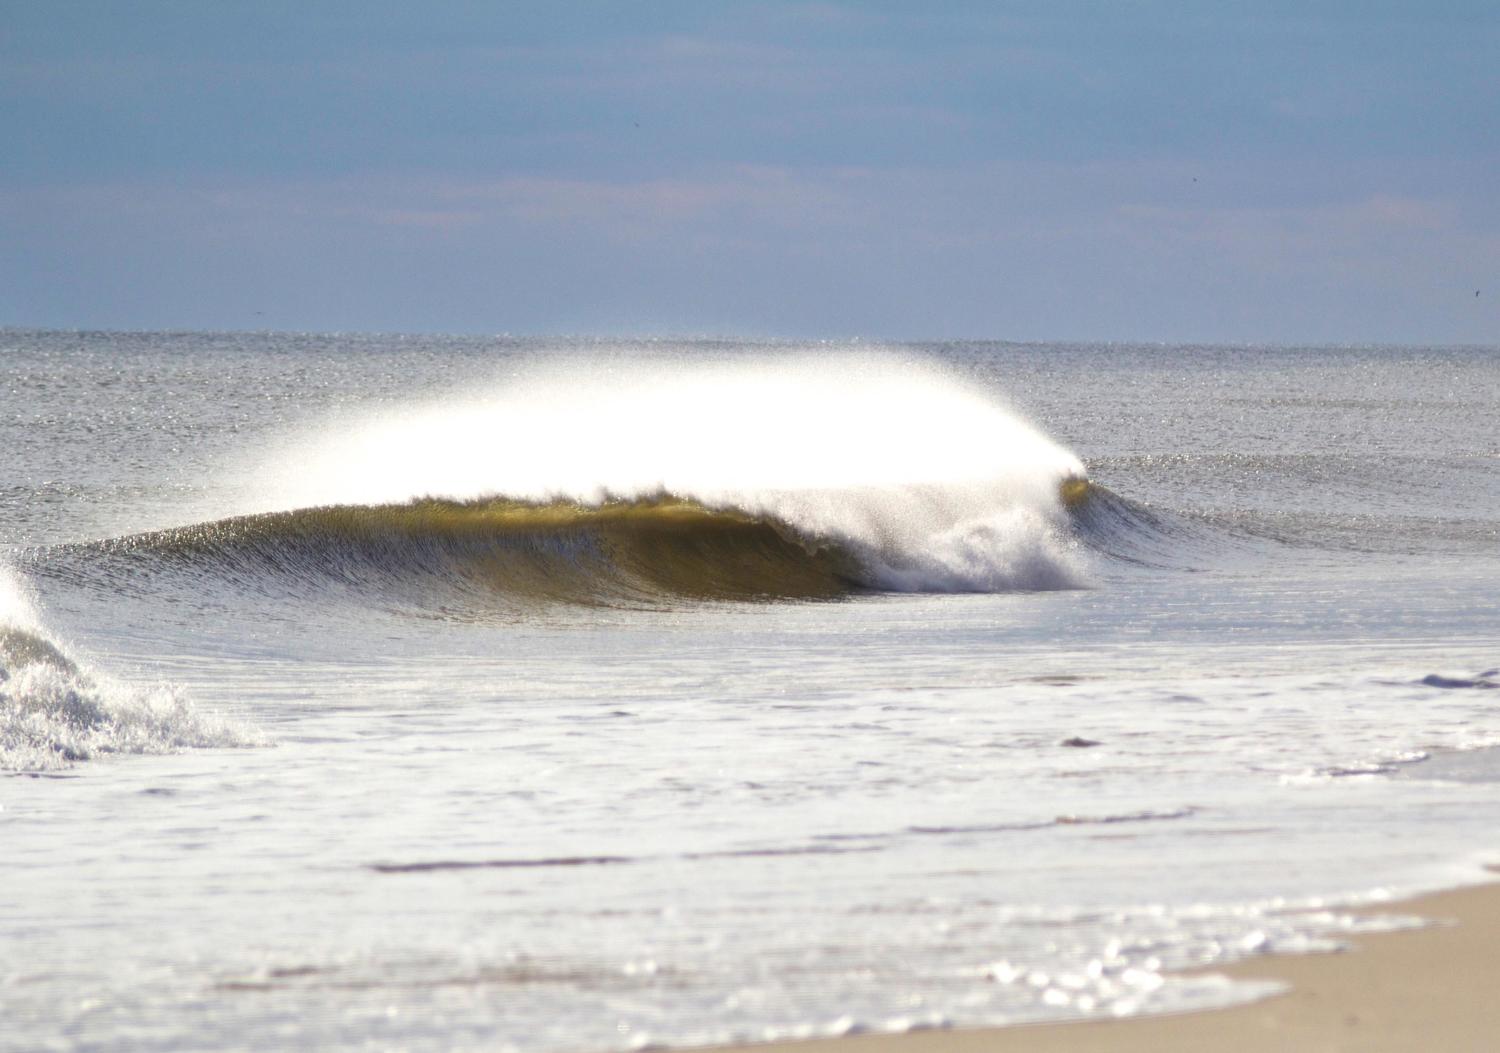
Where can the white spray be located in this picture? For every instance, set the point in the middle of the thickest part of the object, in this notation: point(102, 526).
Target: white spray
point(936, 484)
point(53, 712)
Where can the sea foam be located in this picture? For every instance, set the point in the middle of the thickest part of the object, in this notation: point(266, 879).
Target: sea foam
point(54, 711)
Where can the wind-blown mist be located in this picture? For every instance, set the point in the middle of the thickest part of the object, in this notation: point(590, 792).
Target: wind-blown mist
point(930, 484)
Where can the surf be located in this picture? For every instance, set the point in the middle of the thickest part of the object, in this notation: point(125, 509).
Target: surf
point(497, 552)
point(613, 479)
point(56, 709)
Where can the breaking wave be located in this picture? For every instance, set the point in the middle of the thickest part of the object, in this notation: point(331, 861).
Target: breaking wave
point(795, 476)
point(54, 711)
point(616, 552)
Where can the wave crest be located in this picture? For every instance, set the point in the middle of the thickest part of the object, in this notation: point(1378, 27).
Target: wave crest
point(607, 482)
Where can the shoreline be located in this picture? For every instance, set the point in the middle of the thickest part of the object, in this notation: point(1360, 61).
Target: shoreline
point(1434, 987)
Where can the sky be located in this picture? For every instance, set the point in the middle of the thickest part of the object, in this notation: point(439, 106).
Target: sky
point(1129, 170)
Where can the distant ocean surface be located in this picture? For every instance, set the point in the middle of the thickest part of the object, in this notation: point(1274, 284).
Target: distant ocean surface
point(431, 693)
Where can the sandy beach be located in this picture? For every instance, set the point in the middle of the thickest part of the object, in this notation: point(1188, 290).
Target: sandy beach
point(1432, 988)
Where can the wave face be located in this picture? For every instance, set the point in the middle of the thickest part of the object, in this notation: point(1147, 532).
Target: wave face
point(785, 477)
point(616, 552)
point(471, 554)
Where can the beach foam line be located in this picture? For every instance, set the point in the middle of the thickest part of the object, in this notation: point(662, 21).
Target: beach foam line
point(1424, 988)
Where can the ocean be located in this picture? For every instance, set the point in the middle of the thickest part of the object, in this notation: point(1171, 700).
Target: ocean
point(451, 693)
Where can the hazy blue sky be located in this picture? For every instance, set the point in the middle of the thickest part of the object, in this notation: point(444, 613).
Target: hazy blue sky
point(1117, 170)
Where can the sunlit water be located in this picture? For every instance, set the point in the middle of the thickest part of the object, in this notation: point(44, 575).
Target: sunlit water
point(844, 720)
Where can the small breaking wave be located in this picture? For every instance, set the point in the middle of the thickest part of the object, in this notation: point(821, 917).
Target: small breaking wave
point(54, 712)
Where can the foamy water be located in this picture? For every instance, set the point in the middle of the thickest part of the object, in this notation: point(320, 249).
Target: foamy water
point(551, 698)
point(54, 713)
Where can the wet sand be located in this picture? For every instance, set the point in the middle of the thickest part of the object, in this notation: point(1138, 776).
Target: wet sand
point(1434, 988)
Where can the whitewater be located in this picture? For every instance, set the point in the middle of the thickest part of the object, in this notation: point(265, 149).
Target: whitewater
point(464, 693)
